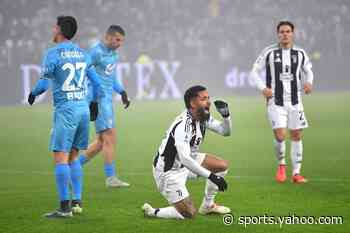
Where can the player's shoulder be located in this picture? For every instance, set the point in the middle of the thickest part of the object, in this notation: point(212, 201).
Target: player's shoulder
point(269, 48)
point(54, 50)
point(96, 47)
point(52, 53)
point(264, 53)
point(299, 48)
point(183, 122)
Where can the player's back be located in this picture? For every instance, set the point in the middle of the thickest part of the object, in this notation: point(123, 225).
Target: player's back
point(104, 61)
point(66, 65)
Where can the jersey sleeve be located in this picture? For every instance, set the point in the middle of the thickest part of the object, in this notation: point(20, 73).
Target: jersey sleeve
point(48, 65)
point(117, 86)
point(223, 128)
point(95, 82)
point(182, 137)
point(307, 68)
point(307, 62)
point(258, 66)
point(88, 60)
point(259, 63)
point(40, 87)
point(94, 56)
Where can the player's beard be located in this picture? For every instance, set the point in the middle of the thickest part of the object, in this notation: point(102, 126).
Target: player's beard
point(203, 114)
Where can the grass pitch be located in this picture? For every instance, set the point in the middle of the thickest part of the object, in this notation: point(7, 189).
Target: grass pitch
point(27, 188)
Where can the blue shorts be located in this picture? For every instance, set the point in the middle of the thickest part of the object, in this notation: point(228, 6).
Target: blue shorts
point(105, 118)
point(70, 128)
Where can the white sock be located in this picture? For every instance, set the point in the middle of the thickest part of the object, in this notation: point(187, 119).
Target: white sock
point(211, 190)
point(296, 153)
point(167, 212)
point(280, 150)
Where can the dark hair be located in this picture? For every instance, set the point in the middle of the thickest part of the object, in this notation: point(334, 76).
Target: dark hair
point(115, 28)
point(192, 93)
point(288, 23)
point(68, 26)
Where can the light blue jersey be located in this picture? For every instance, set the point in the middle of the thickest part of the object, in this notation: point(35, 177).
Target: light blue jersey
point(67, 66)
point(105, 61)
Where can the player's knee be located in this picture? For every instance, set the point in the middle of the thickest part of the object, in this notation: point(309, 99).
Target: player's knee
point(280, 137)
point(296, 135)
point(224, 165)
point(99, 144)
point(107, 144)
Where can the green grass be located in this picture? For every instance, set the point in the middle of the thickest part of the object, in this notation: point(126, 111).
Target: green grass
point(27, 188)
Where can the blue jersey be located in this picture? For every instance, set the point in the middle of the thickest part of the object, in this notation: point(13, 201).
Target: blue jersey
point(105, 60)
point(66, 65)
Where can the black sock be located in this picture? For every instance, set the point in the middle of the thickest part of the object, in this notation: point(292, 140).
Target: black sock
point(65, 205)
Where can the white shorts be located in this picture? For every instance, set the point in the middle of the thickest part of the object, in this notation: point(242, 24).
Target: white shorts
point(287, 116)
point(172, 184)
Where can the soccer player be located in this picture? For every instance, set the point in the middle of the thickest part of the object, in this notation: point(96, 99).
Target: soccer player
point(66, 65)
point(104, 58)
point(178, 156)
point(288, 72)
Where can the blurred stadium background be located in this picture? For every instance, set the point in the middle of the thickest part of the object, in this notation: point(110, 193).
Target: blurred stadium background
point(213, 42)
point(170, 45)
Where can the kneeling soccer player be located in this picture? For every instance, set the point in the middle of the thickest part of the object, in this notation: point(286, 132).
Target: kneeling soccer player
point(178, 156)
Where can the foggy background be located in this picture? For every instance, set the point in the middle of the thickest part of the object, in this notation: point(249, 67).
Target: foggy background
point(171, 44)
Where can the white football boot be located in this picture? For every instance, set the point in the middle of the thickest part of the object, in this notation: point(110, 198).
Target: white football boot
point(214, 209)
point(148, 210)
point(114, 182)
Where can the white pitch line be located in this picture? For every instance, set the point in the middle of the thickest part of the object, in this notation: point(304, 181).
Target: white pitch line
point(265, 178)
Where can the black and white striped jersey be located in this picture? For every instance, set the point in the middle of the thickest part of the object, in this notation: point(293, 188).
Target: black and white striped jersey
point(183, 139)
point(286, 71)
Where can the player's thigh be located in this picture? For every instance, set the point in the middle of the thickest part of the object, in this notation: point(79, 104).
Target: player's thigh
point(105, 118)
point(214, 163)
point(172, 184)
point(297, 119)
point(60, 157)
point(81, 137)
point(108, 136)
point(63, 131)
point(277, 116)
point(186, 208)
point(73, 154)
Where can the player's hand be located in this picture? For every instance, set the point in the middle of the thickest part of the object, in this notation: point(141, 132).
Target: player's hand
point(222, 108)
point(267, 92)
point(307, 88)
point(31, 99)
point(93, 110)
point(219, 181)
point(125, 99)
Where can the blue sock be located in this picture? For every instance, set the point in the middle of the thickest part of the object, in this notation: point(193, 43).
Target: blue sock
point(76, 172)
point(110, 169)
point(62, 173)
point(83, 159)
